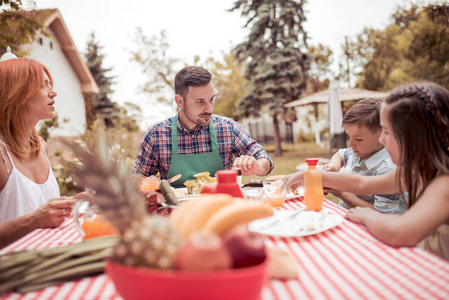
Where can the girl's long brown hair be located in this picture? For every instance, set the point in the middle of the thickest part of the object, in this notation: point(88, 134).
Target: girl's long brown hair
point(419, 116)
point(20, 80)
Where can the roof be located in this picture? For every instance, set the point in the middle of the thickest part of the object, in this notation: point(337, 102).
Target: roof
point(57, 25)
point(52, 19)
point(346, 94)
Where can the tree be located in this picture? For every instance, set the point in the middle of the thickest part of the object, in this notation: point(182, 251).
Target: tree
point(229, 81)
point(275, 56)
point(373, 56)
point(151, 54)
point(415, 46)
point(101, 107)
point(426, 56)
point(18, 27)
point(320, 57)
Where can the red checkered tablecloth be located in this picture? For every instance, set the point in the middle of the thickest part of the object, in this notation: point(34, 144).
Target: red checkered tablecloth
point(345, 262)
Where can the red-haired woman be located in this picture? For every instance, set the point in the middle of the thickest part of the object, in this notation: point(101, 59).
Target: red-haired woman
point(29, 192)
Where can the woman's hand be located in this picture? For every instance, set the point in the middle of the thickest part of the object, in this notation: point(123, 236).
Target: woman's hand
point(54, 212)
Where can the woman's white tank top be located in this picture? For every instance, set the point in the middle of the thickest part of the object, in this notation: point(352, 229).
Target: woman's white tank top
point(21, 195)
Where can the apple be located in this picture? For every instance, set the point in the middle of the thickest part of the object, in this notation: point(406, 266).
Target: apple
point(203, 251)
point(247, 248)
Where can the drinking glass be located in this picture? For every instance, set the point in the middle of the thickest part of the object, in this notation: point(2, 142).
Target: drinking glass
point(89, 222)
point(254, 194)
point(275, 191)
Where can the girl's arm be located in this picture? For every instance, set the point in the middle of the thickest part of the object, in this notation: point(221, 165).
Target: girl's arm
point(408, 229)
point(357, 184)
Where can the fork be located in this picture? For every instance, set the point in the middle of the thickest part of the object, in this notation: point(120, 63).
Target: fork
point(285, 218)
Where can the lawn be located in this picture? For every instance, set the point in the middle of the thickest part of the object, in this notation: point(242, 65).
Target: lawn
point(293, 155)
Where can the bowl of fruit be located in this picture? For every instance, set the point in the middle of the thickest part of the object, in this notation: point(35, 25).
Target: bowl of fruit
point(138, 283)
point(209, 253)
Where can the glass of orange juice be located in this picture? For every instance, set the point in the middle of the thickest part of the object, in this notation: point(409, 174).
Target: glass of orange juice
point(275, 191)
point(89, 222)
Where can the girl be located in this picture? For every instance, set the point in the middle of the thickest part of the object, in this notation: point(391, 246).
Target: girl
point(29, 192)
point(415, 122)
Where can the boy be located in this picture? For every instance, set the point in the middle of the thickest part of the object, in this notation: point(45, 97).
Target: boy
point(366, 156)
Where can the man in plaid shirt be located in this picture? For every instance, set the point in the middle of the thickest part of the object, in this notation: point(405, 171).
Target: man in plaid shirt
point(196, 140)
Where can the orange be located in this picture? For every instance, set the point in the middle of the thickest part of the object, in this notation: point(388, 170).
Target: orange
point(276, 202)
point(97, 226)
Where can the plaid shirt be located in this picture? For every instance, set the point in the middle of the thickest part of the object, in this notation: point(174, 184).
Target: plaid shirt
point(378, 164)
point(156, 147)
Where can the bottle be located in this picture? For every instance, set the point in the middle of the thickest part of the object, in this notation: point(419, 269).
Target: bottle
point(227, 183)
point(313, 194)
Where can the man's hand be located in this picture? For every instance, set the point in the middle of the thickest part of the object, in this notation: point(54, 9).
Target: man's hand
point(248, 164)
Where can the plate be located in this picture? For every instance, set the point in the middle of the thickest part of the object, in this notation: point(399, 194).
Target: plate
point(187, 197)
point(299, 193)
point(180, 192)
point(304, 224)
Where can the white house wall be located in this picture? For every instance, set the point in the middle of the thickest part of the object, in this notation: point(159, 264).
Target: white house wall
point(69, 103)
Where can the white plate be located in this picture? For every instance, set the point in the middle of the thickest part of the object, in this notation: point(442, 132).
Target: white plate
point(299, 193)
point(295, 227)
point(180, 191)
point(187, 197)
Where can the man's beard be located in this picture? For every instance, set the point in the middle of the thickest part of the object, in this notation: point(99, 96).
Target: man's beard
point(198, 121)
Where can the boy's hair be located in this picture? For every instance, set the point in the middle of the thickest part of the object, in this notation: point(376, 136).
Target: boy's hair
point(365, 113)
point(419, 117)
point(20, 80)
point(191, 76)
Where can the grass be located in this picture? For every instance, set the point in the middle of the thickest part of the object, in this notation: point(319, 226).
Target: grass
point(293, 155)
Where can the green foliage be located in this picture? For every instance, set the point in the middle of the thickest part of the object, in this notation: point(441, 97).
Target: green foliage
point(124, 143)
point(151, 54)
point(62, 173)
point(47, 125)
point(18, 27)
point(319, 73)
point(275, 56)
point(103, 107)
point(160, 69)
point(14, 4)
point(229, 81)
point(415, 46)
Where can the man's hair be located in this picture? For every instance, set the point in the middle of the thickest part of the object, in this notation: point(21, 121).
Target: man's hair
point(20, 80)
point(365, 113)
point(191, 76)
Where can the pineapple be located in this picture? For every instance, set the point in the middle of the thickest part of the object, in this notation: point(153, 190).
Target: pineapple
point(144, 240)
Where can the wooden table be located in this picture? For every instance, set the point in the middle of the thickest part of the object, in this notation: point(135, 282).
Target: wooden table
point(345, 262)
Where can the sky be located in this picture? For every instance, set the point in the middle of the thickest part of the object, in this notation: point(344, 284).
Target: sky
point(196, 27)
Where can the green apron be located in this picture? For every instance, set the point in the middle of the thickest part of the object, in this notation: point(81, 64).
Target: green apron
point(189, 164)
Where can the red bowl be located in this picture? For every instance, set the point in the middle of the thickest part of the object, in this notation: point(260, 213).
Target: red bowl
point(135, 283)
